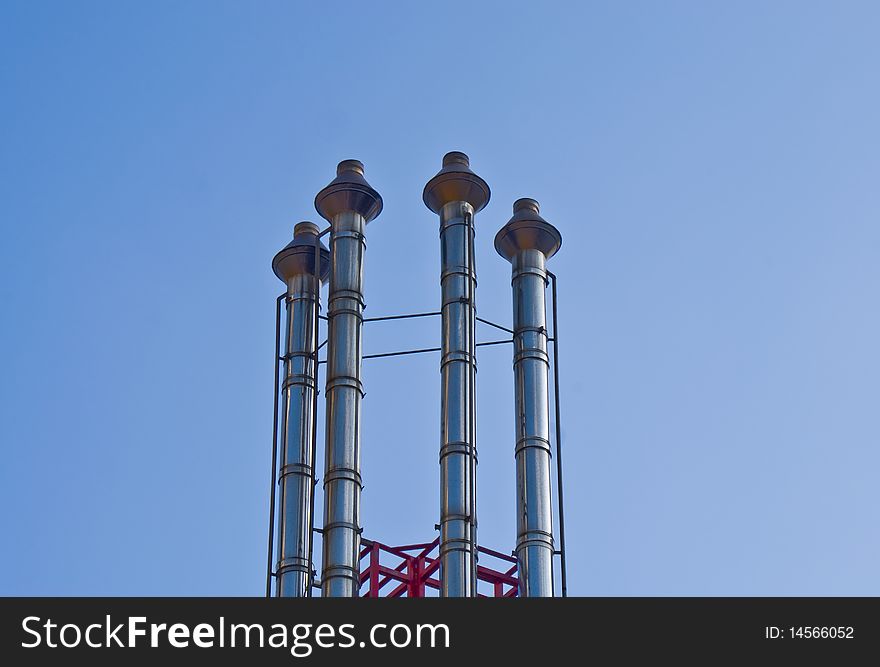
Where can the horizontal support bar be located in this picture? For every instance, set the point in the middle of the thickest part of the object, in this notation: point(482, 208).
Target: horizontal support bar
point(497, 326)
point(399, 317)
point(423, 350)
point(400, 354)
point(494, 342)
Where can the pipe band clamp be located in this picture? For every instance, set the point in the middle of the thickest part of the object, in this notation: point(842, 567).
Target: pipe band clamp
point(531, 353)
point(525, 329)
point(341, 572)
point(298, 380)
point(458, 270)
point(532, 442)
point(296, 563)
point(456, 355)
point(341, 525)
point(347, 295)
point(356, 313)
point(460, 220)
point(301, 295)
point(455, 546)
point(459, 300)
point(529, 271)
point(342, 475)
point(534, 538)
point(303, 469)
point(450, 517)
point(297, 353)
point(458, 448)
point(335, 235)
point(344, 382)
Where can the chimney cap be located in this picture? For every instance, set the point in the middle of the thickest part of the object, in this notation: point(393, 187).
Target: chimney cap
point(527, 230)
point(456, 182)
point(349, 191)
point(298, 256)
point(350, 165)
point(526, 204)
point(456, 157)
point(305, 227)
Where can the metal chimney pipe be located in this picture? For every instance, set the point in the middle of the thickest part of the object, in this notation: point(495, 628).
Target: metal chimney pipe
point(456, 194)
point(348, 203)
point(527, 241)
point(295, 266)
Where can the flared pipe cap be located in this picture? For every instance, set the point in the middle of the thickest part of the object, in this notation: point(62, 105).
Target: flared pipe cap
point(349, 191)
point(298, 256)
point(527, 230)
point(456, 182)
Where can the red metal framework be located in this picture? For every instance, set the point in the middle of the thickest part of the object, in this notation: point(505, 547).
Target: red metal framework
point(414, 569)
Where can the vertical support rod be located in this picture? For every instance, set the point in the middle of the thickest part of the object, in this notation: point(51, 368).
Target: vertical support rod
point(274, 446)
point(318, 267)
point(472, 336)
point(559, 485)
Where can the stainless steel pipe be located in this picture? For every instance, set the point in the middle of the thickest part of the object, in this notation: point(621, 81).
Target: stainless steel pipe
point(456, 194)
point(527, 241)
point(348, 203)
point(295, 265)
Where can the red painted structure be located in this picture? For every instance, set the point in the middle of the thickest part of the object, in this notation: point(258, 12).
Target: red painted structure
point(412, 569)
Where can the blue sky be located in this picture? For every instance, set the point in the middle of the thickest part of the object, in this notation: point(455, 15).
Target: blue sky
point(713, 168)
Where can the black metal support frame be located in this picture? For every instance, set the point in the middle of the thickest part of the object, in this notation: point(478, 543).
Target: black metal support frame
point(560, 504)
point(279, 359)
point(269, 570)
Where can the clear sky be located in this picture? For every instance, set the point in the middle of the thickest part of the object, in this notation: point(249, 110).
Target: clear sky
point(713, 168)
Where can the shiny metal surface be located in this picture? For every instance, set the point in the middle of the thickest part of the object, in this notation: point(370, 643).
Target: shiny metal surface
point(456, 193)
point(527, 241)
point(295, 265)
point(456, 182)
point(348, 203)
